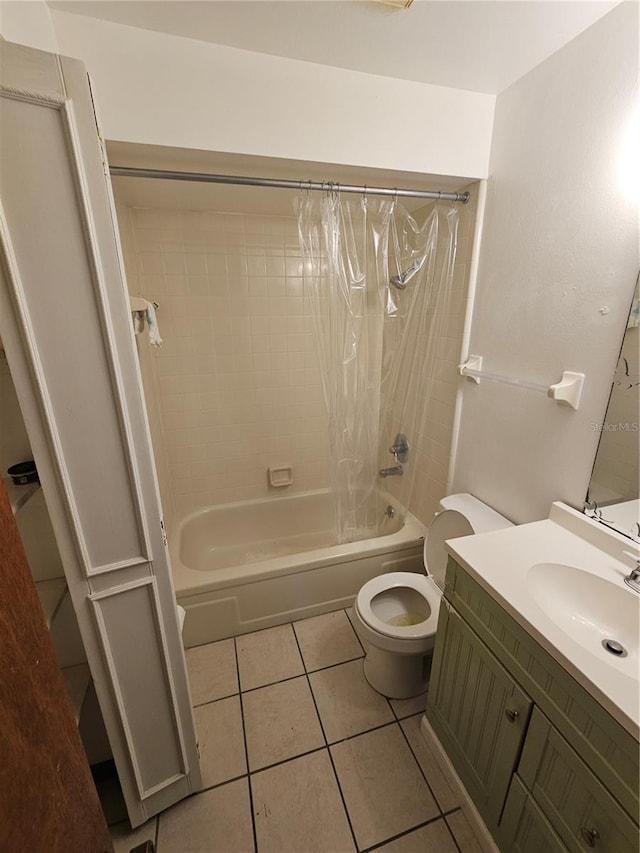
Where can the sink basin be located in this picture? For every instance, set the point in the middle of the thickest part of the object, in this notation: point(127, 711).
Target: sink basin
point(589, 609)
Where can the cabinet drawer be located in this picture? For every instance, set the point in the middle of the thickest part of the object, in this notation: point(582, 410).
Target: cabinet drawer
point(608, 749)
point(524, 829)
point(581, 810)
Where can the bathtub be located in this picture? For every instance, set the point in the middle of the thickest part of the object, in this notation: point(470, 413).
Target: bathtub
point(256, 564)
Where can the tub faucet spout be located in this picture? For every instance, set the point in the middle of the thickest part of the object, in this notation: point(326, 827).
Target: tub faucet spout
point(394, 471)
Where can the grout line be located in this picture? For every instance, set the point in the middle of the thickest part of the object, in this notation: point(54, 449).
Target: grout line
point(219, 785)
point(424, 775)
point(213, 701)
point(452, 833)
point(404, 833)
point(287, 760)
point(299, 675)
point(353, 628)
point(333, 766)
point(246, 751)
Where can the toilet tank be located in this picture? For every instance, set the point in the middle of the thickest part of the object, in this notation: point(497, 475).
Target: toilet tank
point(458, 515)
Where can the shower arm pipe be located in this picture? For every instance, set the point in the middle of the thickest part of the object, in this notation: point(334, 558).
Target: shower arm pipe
point(245, 181)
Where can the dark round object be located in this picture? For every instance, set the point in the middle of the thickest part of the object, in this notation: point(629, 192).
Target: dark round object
point(615, 648)
point(23, 473)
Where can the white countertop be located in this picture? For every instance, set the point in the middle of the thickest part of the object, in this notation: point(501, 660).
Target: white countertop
point(500, 561)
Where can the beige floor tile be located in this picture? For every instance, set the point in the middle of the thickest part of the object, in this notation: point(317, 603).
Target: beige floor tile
point(212, 671)
point(445, 795)
point(298, 809)
point(219, 729)
point(434, 838)
point(326, 640)
point(280, 722)
point(346, 703)
point(408, 707)
point(382, 785)
point(124, 838)
point(217, 821)
point(463, 833)
point(268, 656)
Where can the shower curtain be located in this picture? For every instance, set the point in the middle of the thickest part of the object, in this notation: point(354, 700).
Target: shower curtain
point(378, 284)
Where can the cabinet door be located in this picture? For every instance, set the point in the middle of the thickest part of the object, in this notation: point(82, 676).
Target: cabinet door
point(478, 712)
point(66, 329)
point(523, 828)
point(582, 811)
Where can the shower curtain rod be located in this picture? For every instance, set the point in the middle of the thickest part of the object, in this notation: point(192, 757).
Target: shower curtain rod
point(203, 177)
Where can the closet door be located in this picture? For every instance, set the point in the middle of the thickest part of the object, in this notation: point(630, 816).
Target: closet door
point(66, 328)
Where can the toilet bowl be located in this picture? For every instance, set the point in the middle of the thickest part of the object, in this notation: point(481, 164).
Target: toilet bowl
point(396, 614)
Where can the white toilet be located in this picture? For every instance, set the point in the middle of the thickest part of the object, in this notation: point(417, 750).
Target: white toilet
point(396, 614)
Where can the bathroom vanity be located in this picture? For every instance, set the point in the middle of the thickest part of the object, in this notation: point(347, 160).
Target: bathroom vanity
point(539, 720)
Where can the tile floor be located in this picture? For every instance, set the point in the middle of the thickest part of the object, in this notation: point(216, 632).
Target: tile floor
point(300, 755)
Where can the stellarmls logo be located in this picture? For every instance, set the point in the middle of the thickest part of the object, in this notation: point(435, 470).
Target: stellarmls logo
point(619, 427)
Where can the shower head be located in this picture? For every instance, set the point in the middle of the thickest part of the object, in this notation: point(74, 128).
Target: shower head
point(401, 280)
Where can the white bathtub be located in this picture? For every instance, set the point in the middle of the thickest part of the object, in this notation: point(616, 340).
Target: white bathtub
point(245, 566)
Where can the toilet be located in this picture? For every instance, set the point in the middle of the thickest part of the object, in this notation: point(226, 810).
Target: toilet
point(396, 614)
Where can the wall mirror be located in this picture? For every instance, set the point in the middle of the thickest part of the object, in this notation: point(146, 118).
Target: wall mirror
point(613, 492)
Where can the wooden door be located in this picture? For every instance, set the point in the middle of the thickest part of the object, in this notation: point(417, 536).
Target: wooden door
point(48, 801)
point(65, 324)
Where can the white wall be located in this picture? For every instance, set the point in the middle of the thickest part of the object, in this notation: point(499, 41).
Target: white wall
point(28, 23)
point(557, 271)
point(164, 90)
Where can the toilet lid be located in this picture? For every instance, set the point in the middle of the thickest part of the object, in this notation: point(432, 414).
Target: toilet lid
point(462, 515)
point(449, 524)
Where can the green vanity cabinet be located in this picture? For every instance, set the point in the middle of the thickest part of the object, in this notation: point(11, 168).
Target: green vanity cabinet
point(478, 711)
point(579, 806)
point(524, 824)
point(548, 768)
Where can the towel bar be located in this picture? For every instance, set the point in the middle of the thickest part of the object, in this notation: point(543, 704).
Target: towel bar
point(568, 390)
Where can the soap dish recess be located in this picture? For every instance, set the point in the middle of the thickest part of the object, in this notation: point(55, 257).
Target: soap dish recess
point(281, 476)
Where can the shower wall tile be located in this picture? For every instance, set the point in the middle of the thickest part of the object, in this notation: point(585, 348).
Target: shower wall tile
point(236, 385)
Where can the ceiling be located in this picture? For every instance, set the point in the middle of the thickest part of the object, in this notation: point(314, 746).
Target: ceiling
point(469, 44)
point(479, 45)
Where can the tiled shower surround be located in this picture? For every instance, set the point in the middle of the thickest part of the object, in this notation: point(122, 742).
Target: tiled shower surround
point(235, 387)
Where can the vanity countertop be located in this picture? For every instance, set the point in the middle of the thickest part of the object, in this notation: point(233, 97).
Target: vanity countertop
point(502, 561)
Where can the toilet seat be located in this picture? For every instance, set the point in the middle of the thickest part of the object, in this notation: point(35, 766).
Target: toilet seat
point(422, 584)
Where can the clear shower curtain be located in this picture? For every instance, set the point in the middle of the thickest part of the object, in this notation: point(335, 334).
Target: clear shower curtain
point(365, 330)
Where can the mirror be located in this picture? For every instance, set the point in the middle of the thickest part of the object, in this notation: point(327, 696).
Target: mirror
point(613, 491)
